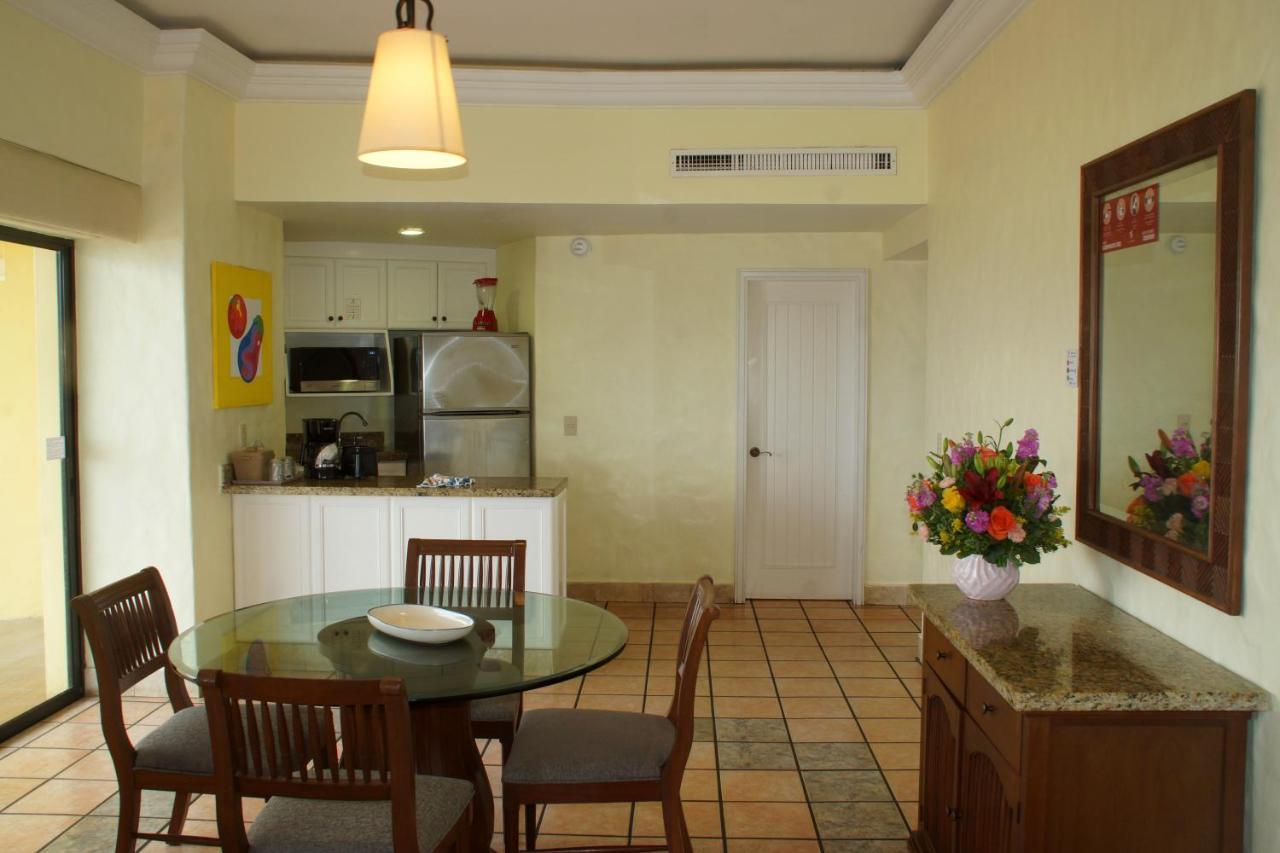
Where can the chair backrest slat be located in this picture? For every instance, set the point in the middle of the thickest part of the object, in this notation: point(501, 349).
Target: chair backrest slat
point(699, 615)
point(461, 572)
point(278, 737)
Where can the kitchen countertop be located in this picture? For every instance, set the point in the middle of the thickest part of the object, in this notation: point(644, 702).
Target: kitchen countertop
point(484, 487)
point(1059, 647)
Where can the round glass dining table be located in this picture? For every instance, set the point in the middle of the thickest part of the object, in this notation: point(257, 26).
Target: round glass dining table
point(518, 644)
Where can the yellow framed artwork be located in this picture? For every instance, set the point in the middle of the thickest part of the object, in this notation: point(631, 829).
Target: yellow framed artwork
point(241, 336)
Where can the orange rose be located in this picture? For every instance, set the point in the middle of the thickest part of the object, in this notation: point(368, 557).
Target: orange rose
point(1136, 504)
point(987, 454)
point(1187, 484)
point(1032, 481)
point(1002, 521)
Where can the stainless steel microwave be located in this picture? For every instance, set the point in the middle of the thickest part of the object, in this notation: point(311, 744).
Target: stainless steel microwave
point(337, 364)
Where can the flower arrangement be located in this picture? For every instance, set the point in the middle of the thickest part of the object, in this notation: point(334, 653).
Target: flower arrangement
point(1173, 495)
point(984, 499)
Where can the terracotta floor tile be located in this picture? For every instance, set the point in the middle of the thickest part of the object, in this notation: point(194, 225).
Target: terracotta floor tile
point(726, 686)
point(903, 624)
point(666, 638)
point(547, 842)
point(72, 736)
point(95, 765)
point(630, 608)
point(14, 789)
point(64, 796)
point(899, 653)
point(587, 819)
point(788, 653)
point(731, 638)
point(766, 786)
point(837, 626)
point(778, 639)
point(723, 625)
point(889, 730)
point(801, 669)
point(760, 845)
point(730, 653)
point(853, 638)
point(739, 669)
point(613, 684)
point(39, 763)
point(870, 708)
point(879, 611)
point(906, 641)
point(25, 737)
point(666, 684)
point(823, 731)
point(747, 707)
point(613, 703)
point(905, 784)
point(768, 820)
point(809, 687)
point(618, 666)
point(863, 669)
point(854, 653)
point(880, 688)
point(28, 833)
point(768, 625)
point(908, 669)
point(806, 707)
point(702, 819)
point(702, 756)
point(662, 656)
point(533, 702)
point(897, 756)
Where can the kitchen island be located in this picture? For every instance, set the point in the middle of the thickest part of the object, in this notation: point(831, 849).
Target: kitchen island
point(312, 536)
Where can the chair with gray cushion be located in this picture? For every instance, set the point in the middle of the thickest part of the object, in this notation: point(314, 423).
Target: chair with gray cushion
point(476, 573)
point(129, 625)
point(566, 755)
point(327, 792)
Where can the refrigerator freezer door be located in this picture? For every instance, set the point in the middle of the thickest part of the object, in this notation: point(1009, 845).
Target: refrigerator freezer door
point(476, 445)
point(474, 372)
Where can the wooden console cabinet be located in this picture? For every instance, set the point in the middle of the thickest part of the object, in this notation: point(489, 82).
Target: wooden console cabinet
point(1117, 738)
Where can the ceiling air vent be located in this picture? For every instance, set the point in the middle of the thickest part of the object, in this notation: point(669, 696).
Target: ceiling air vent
point(784, 161)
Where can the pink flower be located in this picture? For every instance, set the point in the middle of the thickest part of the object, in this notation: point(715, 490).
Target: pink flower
point(1174, 525)
point(947, 483)
point(1169, 487)
point(1017, 534)
point(923, 531)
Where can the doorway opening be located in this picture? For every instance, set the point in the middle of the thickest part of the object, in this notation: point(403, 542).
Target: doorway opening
point(802, 433)
point(40, 650)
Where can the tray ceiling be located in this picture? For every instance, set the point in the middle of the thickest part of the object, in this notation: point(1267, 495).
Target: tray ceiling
point(676, 34)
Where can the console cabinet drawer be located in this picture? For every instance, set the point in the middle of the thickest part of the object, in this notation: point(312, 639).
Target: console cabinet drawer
point(997, 719)
point(945, 660)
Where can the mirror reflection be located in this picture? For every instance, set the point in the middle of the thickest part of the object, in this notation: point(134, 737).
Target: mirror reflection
point(1156, 353)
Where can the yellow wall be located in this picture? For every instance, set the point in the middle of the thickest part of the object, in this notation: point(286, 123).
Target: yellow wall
point(20, 527)
point(639, 340)
point(1006, 143)
point(517, 277)
point(306, 152)
point(67, 99)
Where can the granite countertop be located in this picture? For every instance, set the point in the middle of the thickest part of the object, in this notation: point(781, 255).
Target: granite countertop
point(484, 487)
point(1059, 647)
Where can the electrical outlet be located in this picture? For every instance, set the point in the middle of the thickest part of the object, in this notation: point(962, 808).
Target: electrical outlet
point(570, 424)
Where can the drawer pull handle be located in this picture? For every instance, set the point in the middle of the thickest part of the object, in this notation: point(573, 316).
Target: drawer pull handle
point(987, 709)
point(953, 813)
point(942, 655)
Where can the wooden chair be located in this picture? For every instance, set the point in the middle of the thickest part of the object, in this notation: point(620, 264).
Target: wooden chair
point(262, 748)
point(565, 755)
point(479, 574)
point(129, 625)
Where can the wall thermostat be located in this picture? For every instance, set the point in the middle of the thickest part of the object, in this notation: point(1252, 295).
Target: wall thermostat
point(579, 246)
point(1177, 244)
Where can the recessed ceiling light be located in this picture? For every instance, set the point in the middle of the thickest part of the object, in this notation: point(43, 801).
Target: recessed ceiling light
point(412, 231)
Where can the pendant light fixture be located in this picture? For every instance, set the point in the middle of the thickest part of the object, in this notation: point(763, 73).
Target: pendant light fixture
point(411, 112)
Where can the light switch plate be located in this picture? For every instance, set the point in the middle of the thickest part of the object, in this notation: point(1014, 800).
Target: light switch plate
point(55, 447)
point(1073, 368)
point(570, 424)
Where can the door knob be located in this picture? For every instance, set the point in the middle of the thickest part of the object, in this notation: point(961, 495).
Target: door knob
point(755, 451)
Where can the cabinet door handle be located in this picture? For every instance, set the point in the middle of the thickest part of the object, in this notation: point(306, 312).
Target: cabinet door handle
point(987, 709)
point(330, 318)
point(434, 318)
point(444, 319)
point(942, 655)
point(339, 318)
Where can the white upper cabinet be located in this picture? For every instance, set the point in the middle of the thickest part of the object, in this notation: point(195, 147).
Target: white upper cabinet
point(308, 293)
point(411, 294)
point(369, 286)
point(457, 303)
point(362, 294)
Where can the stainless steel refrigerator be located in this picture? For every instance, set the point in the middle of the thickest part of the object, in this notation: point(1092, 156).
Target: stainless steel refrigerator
point(464, 402)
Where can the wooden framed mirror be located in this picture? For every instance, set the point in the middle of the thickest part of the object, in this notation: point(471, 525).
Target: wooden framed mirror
point(1166, 248)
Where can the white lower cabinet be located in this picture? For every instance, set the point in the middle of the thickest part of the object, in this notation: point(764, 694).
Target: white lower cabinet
point(349, 543)
point(287, 545)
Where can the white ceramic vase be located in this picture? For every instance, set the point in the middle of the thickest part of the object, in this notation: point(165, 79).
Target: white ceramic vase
point(984, 581)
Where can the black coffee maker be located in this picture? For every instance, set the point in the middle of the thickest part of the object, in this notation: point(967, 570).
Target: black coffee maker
point(317, 434)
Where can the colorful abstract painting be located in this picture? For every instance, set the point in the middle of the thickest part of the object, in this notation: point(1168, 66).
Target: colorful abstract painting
point(241, 336)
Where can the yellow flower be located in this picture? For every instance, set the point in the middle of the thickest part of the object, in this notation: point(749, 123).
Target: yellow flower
point(1201, 469)
point(944, 537)
point(956, 524)
point(952, 500)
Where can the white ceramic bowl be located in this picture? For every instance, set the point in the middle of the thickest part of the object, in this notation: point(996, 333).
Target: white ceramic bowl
point(420, 623)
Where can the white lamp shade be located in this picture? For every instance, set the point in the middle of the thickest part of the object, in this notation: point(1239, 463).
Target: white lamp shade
point(411, 114)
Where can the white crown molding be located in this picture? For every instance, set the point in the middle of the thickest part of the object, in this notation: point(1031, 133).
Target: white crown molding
point(962, 31)
point(953, 41)
point(290, 81)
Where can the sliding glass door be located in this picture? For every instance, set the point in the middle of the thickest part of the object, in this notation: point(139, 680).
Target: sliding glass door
point(40, 654)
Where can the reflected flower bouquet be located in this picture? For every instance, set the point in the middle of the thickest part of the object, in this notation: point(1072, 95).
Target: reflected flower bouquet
point(1173, 495)
point(981, 498)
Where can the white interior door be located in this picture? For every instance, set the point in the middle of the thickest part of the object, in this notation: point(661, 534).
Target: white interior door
point(804, 355)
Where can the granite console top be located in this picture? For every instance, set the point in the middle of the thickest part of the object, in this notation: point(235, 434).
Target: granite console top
point(1059, 647)
point(484, 487)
